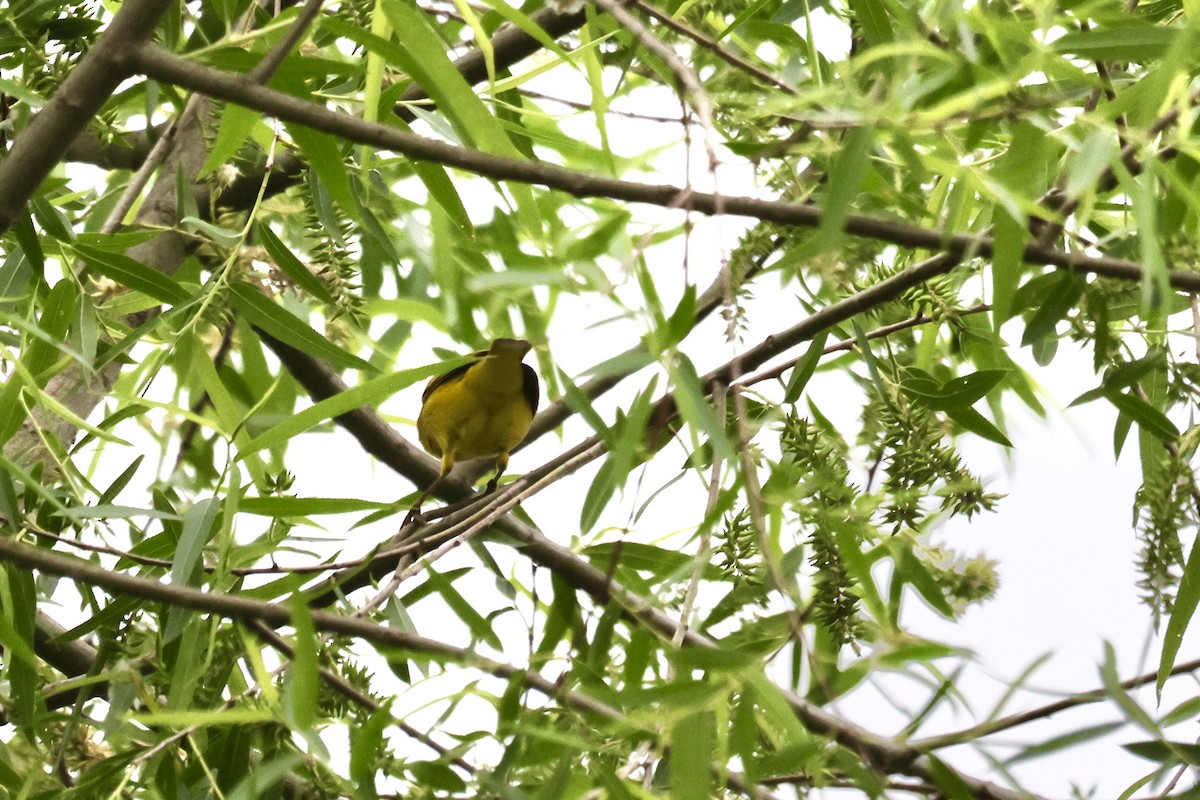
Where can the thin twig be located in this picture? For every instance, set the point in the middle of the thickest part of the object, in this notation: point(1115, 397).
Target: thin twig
point(355, 695)
point(975, 732)
point(693, 90)
point(712, 45)
point(265, 68)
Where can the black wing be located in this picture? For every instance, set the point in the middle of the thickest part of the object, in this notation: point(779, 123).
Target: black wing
point(530, 388)
point(452, 376)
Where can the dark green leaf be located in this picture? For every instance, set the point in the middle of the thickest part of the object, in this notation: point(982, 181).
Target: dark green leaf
point(277, 322)
point(133, 274)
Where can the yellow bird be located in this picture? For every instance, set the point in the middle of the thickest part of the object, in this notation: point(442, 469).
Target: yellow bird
point(478, 410)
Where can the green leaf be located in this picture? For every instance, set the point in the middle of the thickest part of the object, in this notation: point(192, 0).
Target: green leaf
point(287, 261)
point(845, 180)
point(236, 124)
point(1132, 40)
point(275, 321)
point(263, 777)
point(224, 237)
point(422, 55)
point(954, 394)
point(57, 314)
point(948, 781)
point(30, 245)
point(1063, 742)
point(805, 367)
point(1010, 238)
point(1168, 754)
point(1061, 298)
point(303, 676)
point(15, 276)
point(366, 747)
point(480, 628)
point(977, 424)
point(683, 318)
point(713, 658)
point(276, 506)
point(21, 613)
point(912, 571)
point(599, 492)
point(693, 750)
point(198, 528)
point(1094, 157)
point(371, 392)
point(324, 155)
point(873, 17)
point(132, 274)
point(694, 406)
point(1187, 597)
point(1112, 686)
point(1186, 711)
point(120, 482)
point(1148, 418)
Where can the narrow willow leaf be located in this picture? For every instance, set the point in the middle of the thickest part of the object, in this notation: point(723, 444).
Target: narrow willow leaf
point(197, 530)
point(287, 261)
point(132, 274)
point(1187, 597)
point(1063, 742)
point(277, 322)
point(976, 423)
point(693, 750)
point(324, 154)
point(872, 15)
point(232, 132)
point(371, 392)
point(1131, 40)
point(1011, 236)
point(1094, 157)
point(1148, 418)
point(805, 367)
point(845, 180)
point(283, 507)
point(303, 674)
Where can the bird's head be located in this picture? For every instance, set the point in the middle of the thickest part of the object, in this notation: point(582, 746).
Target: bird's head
point(510, 347)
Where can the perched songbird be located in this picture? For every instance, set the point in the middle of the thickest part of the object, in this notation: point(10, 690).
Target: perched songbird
point(478, 410)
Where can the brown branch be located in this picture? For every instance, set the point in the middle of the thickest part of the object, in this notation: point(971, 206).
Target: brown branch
point(712, 45)
point(355, 695)
point(509, 45)
point(578, 573)
point(265, 68)
point(275, 615)
point(165, 66)
point(849, 344)
point(279, 615)
point(1004, 723)
point(123, 151)
point(41, 146)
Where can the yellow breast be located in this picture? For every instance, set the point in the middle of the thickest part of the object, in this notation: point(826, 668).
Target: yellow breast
point(482, 412)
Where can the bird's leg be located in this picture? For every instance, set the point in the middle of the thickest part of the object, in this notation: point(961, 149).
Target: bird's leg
point(501, 464)
point(414, 514)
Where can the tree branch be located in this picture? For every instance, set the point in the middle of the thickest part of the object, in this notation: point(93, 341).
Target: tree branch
point(1050, 709)
point(165, 66)
point(508, 46)
point(41, 146)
